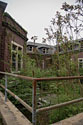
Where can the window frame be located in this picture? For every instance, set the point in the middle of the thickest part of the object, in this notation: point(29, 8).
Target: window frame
point(17, 54)
point(30, 48)
point(45, 50)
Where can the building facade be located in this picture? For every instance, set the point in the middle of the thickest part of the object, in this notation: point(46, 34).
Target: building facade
point(12, 42)
point(47, 51)
point(76, 47)
point(42, 53)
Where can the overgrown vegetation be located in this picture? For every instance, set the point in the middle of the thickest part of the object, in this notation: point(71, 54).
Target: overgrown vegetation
point(52, 92)
point(49, 93)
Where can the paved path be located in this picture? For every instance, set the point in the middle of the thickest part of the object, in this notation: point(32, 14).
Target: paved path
point(10, 114)
point(75, 120)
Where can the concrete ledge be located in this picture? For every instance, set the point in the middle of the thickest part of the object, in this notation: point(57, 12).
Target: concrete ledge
point(75, 120)
point(10, 114)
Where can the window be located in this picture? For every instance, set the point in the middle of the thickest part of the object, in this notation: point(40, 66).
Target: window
point(80, 62)
point(45, 50)
point(16, 57)
point(30, 48)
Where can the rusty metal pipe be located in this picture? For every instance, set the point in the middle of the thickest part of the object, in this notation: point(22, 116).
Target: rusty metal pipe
point(59, 105)
point(19, 99)
point(42, 79)
point(58, 78)
point(18, 76)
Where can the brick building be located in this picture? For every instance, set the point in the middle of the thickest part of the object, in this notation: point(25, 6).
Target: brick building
point(46, 52)
point(76, 47)
point(12, 42)
point(12, 46)
point(42, 53)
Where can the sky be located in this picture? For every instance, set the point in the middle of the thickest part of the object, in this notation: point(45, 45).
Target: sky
point(34, 15)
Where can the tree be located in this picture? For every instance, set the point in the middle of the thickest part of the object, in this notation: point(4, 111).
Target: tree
point(68, 26)
point(80, 1)
point(64, 30)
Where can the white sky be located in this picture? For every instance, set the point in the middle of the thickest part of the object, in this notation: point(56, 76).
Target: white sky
point(34, 15)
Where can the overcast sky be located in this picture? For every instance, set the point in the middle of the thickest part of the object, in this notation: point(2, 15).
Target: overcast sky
point(34, 15)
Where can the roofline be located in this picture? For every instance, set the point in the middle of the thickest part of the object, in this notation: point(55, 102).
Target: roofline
point(14, 30)
point(8, 15)
point(3, 5)
point(39, 44)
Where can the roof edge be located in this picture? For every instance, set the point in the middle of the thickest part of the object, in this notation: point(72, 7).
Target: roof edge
point(8, 15)
point(3, 5)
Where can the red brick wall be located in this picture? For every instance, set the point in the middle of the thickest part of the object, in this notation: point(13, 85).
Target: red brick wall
point(12, 22)
point(1, 43)
point(7, 35)
point(10, 36)
point(0, 19)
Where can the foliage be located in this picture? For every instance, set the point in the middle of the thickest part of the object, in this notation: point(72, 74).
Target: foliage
point(81, 71)
point(31, 69)
point(63, 33)
point(65, 112)
point(66, 27)
point(61, 92)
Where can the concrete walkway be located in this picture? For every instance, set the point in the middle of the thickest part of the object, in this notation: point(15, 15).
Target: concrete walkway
point(75, 120)
point(10, 114)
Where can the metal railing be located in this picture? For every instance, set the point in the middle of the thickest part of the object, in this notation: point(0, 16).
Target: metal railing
point(34, 110)
point(29, 108)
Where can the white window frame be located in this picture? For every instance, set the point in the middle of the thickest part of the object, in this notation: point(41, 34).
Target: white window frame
point(31, 49)
point(45, 50)
point(16, 51)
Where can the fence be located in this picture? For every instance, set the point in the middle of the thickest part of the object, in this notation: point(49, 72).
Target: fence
point(41, 88)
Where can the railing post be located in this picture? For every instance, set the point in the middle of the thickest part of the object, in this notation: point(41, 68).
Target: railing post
point(34, 103)
point(5, 88)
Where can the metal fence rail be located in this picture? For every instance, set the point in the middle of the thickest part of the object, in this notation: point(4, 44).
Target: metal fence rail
point(18, 99)
point(34, 110)
point(59, 105)
point(29, 108)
